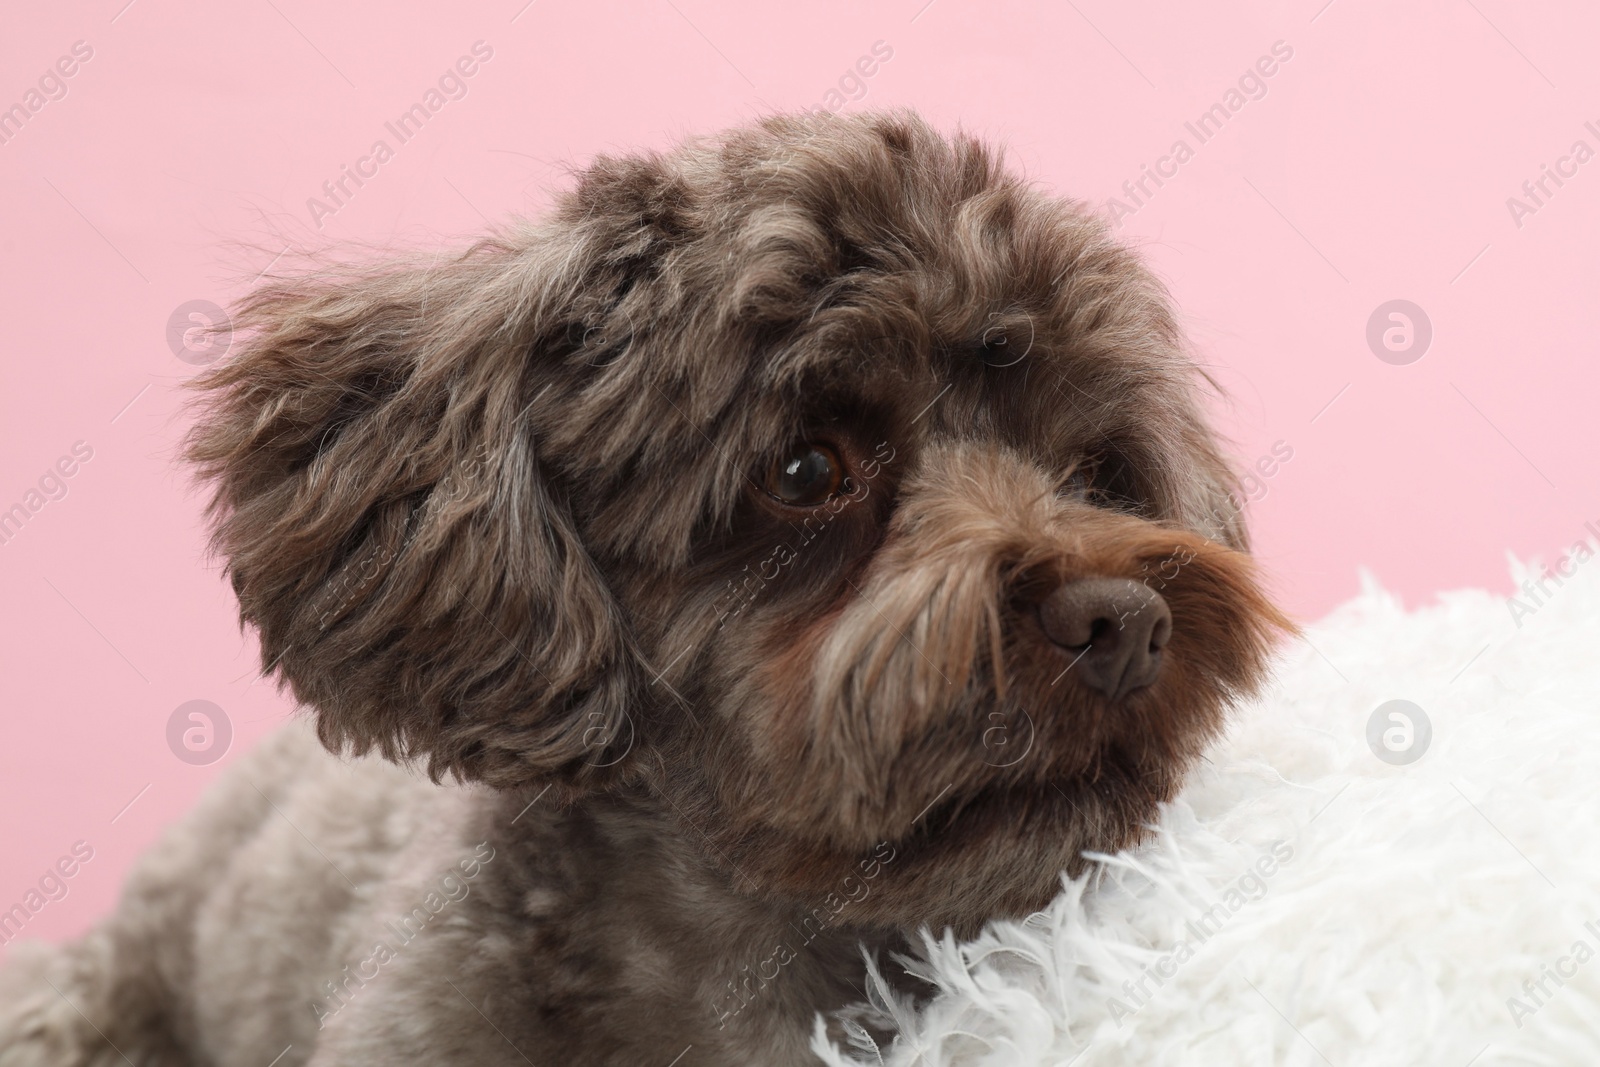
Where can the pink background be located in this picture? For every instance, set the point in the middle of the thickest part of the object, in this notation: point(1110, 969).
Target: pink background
point(179, 162)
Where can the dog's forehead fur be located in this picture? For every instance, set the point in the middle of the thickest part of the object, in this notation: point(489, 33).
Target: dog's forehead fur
point(808, 270)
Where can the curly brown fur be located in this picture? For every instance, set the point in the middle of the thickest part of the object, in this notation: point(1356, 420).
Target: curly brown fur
point(506, 515)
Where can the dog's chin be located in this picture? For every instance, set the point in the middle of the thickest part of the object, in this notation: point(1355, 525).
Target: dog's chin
point(996, 851)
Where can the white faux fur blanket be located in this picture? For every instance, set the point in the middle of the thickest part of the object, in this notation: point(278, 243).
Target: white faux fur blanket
point(1306, 902)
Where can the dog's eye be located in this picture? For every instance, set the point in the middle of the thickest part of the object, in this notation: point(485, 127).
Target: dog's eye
point(810, 474)
point(1105, 479)
point(1079, 485)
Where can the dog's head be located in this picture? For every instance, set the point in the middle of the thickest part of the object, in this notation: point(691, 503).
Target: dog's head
point(823, 477)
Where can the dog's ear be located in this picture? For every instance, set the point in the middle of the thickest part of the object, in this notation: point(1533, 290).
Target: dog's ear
point(390, 525)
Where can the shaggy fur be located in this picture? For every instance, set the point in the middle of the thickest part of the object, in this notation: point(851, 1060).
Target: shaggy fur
point(505, 517)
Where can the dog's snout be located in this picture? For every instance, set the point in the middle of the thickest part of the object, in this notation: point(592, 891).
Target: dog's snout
point(1115, 626)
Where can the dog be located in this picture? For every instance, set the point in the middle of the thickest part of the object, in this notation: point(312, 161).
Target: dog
point(799, 538)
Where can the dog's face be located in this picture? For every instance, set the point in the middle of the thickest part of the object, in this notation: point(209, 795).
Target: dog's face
point(825, 478)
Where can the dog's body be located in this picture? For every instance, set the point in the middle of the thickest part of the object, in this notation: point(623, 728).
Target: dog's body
point(349, 913)
point(801, 538)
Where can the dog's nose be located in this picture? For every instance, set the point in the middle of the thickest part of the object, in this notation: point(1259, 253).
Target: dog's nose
point(1117, 628)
